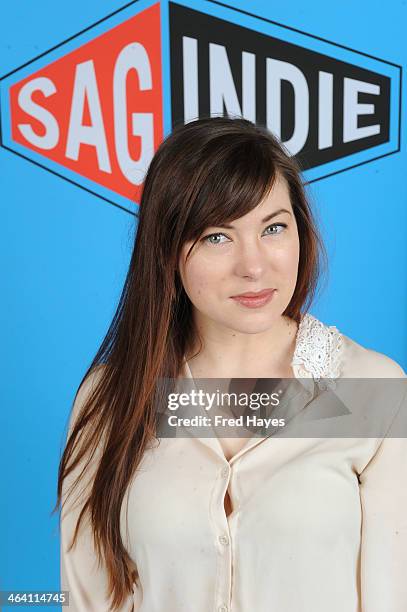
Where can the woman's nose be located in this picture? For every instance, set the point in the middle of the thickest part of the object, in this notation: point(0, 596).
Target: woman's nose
point(250, 260)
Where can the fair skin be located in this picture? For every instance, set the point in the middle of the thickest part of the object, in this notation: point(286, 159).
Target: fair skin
point(239, 342)
point(256, 254)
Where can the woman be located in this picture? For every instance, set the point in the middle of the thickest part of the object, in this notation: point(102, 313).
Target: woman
point(225, 524)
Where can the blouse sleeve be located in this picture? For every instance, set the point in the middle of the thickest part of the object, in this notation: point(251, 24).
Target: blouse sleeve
point(383, 490)
point(80, 574)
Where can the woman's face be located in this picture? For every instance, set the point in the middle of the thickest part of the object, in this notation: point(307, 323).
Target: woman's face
point(256, 252)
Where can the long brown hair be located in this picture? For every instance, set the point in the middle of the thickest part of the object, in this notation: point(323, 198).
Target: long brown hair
point(205, 173)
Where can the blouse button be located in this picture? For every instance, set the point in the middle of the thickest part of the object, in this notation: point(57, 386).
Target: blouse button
point(223, 539)
point(223, 609)
point(224, 472)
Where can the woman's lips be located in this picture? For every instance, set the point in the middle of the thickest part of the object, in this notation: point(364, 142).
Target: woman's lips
point(254, 300)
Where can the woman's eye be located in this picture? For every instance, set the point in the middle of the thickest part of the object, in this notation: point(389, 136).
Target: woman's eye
point(215, 242)
point(278, 227)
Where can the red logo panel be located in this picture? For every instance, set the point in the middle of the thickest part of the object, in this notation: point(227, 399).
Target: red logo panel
point(98, 109)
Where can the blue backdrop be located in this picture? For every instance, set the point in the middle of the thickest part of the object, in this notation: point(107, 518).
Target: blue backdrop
point(65, 253)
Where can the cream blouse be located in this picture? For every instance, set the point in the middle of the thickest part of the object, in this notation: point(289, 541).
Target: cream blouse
point(318, 525)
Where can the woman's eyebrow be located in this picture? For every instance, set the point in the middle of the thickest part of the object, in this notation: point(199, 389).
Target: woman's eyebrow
point(274, 214)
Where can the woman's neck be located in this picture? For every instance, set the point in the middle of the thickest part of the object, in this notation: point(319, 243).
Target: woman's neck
point(234, 355)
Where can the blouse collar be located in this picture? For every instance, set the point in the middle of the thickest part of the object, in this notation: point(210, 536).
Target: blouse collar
point(319, 349)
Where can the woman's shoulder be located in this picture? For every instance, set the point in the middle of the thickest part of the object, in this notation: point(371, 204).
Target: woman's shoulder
point(360, 361)
point(324, 351)
point(84, 391)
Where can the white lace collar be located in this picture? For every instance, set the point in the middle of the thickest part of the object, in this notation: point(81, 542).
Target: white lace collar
point(318, 351)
